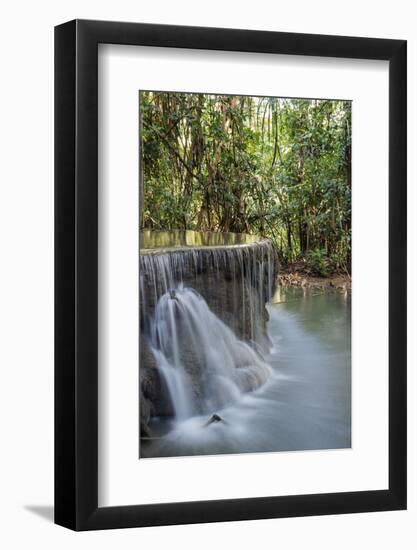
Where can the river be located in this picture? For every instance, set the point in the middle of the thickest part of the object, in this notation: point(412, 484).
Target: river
point(304, 405)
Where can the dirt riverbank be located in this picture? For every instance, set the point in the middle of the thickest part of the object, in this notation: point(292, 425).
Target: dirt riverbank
point(298, 276)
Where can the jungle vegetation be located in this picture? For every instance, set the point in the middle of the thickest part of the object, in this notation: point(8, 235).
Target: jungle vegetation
point(272, 166)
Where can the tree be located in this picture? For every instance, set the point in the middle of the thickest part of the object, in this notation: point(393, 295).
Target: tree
point(273, 166)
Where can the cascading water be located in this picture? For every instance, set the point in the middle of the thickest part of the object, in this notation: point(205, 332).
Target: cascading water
point(203, 317)
point(248, 267)
point(186, 332)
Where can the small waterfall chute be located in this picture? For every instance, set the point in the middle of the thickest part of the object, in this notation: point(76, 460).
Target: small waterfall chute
point(205, 366)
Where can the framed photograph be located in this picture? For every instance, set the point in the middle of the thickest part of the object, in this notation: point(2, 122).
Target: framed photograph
point(230, 254)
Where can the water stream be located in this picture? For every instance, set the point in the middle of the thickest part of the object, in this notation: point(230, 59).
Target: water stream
point(185, 332)
point(301, 388)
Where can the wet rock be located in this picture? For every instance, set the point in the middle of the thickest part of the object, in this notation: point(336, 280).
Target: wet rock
point(154, 398)
point(213, 420)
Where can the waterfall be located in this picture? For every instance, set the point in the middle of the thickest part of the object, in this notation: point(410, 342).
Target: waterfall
point(250, 269)
point(202, 311)
point(220, 366)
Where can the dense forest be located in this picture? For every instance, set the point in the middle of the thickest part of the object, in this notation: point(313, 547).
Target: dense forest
point(280, 168)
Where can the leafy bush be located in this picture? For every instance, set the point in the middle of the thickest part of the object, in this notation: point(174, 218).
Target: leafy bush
point(319, 263)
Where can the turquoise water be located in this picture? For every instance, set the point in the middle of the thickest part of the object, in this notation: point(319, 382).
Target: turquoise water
point(306, 404)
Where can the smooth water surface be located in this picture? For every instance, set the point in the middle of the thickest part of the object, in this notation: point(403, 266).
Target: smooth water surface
point(305, 404)
point(152, 240)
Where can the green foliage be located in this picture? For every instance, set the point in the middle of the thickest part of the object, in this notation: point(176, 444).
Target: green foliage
point(272, 166)
point(319, 263)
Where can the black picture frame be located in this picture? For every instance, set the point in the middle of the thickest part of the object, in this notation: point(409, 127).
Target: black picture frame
point(76, 272)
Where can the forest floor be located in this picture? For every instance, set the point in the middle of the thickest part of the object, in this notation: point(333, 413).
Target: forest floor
point(298, 275)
